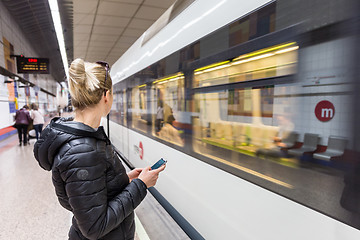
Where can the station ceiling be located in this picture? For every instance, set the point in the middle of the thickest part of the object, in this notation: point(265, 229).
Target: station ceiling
point(93, 29)
point(105, 29)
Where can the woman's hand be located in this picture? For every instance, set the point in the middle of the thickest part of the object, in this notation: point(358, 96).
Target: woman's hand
point(149, 177)
point(134, 173)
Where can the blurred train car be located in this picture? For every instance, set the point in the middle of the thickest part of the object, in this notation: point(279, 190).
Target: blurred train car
point(252, 105)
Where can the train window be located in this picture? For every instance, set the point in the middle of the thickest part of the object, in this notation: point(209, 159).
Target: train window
point(239, 32)
point(168, 101)
point(271, 135)
point(274, 61)
point(241, 102)
point(122, 107)
point(255, 25)
point(116, 112)
point(190, 53)
point(238, 119)
point(139, 108)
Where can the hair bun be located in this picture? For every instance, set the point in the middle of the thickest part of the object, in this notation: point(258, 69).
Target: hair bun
point(77, 71)
point(85, 83)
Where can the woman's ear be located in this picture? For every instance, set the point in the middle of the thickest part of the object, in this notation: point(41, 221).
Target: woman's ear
point(106, 95)
point(107, 101)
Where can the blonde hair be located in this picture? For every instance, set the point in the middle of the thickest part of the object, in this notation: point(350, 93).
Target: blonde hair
point(87, 83)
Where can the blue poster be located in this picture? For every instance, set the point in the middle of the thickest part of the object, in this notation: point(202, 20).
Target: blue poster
point(12, 107)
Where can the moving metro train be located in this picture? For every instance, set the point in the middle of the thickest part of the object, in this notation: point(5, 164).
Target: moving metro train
point(239, 97)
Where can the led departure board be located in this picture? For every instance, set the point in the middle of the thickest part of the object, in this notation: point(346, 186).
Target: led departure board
point(32, 65)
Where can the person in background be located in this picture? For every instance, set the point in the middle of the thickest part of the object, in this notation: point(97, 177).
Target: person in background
point(89, 178)
point(159, 116)
point(59, 110)
point(170, 133)
point(22, 121)
point(286, 126)
point(38, 120)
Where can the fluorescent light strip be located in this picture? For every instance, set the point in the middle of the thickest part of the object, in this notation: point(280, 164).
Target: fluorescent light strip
point(59, 33)
point(253, 58)
point(287, 50)
point(264, 51)
point(212, 65)
point(168, 78)
point(209, 68)
point(216, 68)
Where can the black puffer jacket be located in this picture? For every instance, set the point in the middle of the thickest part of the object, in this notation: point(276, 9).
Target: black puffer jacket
point(89, 180)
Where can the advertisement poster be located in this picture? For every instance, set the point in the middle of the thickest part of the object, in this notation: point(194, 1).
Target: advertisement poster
point(10, 65)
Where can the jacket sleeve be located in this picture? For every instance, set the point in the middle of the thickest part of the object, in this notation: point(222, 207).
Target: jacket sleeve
point(28, 117)
point(83, 170)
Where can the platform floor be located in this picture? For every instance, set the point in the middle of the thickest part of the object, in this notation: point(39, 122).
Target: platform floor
point(30, 210)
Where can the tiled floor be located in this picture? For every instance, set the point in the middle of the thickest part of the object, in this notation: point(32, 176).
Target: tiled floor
point(29, 207)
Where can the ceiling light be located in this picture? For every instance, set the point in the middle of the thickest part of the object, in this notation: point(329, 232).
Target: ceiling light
point(253, 58)
point(287, 50)
point(59, 32)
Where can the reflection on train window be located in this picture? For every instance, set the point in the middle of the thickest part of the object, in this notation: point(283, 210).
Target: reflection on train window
point(118, 109)
point(115, 114)
point(274, 61)
point(190, 53)
point(139, 108)
point(255, 25)
point(244, 102)
point(239, 120)
point(168, 100)
point(122, 107)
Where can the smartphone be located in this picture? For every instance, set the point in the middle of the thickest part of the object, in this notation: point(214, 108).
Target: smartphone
point(158, 164)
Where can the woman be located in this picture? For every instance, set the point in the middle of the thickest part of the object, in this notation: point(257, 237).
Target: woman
point(89, 179)
point(22, 121)
point(38, 120)
point(170, 133)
